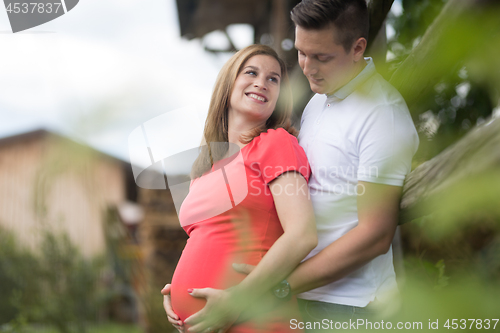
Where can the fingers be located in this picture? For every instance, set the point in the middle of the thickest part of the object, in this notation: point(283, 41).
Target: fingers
point(173, 318)
point(202, 328)
point(167, 305)
point(199, 317)
point(224, 329)
point(216, 316)
point(166, 290)
point(243, 268)
point(180, 329)
point(201, 293)
point(194, 319)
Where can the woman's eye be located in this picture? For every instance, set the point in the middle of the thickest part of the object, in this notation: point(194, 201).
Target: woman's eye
point(273, 79)
point(251, 72)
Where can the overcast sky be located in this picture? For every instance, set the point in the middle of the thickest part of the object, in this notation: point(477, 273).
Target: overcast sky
point(101, 70)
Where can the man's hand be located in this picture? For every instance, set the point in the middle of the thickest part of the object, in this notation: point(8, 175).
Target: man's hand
point(173, 318)
point(378, 208)
point(243, 268)
point(219, 313)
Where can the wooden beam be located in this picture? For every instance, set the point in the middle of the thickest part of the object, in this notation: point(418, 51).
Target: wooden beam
point(378, 10)
point(279, 24)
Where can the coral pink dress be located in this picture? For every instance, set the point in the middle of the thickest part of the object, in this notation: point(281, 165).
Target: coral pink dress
point(230, 217)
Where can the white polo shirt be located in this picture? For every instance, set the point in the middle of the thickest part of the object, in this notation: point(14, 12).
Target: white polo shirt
point(363, 132)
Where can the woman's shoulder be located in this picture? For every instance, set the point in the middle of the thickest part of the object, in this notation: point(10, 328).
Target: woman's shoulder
point(277, 151)
point(274, 137)
point(274, 144)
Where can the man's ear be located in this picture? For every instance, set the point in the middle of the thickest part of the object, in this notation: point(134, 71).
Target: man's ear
point(358, 49)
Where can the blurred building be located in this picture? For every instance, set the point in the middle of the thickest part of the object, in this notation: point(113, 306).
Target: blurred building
point(51, 183)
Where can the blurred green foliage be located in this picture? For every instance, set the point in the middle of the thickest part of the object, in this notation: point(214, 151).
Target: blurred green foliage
point(56, 286)
point(93, 328)
point(12, 259)
point(467, 297)
point(452, 253)
point(462, 97)
point(452, 256)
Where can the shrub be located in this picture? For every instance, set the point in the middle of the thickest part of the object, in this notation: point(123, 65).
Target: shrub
point(56, 286)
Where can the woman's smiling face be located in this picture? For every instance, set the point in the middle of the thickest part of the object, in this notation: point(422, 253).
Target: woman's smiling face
point(256, 89)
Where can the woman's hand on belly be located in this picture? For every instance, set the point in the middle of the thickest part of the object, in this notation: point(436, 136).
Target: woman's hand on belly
point(173, 318)
point(220, 312)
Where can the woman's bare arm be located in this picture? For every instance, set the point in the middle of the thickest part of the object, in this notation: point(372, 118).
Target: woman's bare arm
point(295, 211)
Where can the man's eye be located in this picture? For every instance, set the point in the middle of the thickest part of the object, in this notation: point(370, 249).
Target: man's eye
point(324, 59)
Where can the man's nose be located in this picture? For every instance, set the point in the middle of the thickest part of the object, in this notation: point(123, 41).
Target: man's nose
point(309, 67)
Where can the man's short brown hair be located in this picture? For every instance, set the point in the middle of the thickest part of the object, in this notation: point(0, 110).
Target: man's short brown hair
point(350, 18)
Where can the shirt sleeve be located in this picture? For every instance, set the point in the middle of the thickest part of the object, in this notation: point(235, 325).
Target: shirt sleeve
point(386, 146)
point(278, 152)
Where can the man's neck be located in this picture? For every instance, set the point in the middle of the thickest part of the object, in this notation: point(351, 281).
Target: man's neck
point(360, 66)
point(357, 68)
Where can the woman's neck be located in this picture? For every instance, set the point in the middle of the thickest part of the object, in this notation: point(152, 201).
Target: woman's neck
point(238, 127)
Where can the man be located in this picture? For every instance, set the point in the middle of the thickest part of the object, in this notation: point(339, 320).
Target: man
point(359, 138)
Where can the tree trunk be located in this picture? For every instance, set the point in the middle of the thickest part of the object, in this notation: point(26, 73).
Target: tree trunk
point(474, 156)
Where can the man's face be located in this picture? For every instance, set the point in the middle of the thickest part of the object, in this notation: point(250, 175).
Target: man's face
point(325, 63)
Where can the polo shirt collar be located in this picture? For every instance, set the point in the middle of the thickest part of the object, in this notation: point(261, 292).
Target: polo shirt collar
point(366, 73)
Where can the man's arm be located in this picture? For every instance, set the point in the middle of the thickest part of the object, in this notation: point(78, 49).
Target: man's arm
point(378, 209)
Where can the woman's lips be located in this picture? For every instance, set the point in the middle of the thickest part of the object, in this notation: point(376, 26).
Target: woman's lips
point(257, 97)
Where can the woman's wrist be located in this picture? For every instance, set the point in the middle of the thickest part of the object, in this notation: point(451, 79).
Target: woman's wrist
point(242, 297)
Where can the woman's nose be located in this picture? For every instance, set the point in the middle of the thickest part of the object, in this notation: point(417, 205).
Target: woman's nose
point(260, 83)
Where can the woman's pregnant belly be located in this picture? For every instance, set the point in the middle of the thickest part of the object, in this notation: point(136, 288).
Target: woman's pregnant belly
point(206, 263)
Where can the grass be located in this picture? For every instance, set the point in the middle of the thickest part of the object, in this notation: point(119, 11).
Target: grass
point(101, 328)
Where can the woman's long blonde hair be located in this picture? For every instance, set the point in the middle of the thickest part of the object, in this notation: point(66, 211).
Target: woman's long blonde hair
point(216, 125)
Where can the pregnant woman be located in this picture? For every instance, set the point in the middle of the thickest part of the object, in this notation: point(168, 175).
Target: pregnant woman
point(246, 205)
